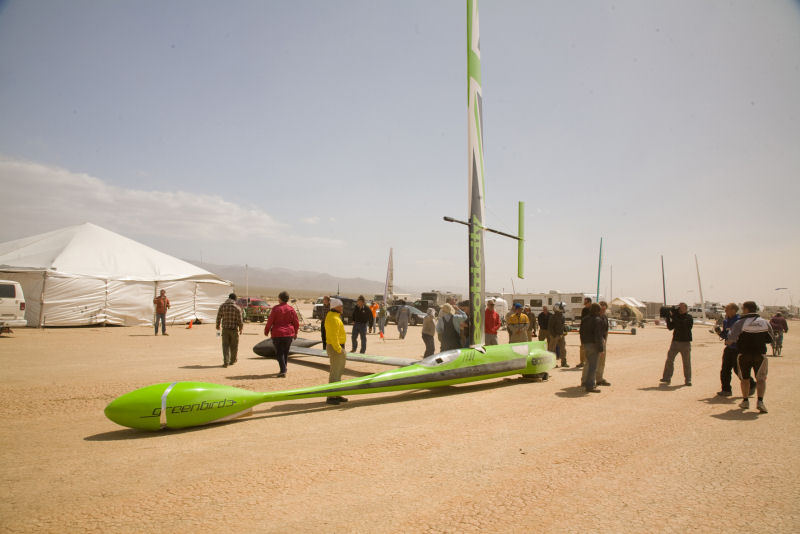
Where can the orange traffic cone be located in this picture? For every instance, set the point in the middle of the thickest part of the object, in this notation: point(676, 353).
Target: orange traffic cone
point(191, 321)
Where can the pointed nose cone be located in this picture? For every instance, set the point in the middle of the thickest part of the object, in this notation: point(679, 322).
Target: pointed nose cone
point(138, 409)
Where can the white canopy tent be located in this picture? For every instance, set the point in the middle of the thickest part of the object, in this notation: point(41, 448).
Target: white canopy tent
point(84, 274)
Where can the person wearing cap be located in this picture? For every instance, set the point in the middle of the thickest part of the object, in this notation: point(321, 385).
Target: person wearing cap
point(229, 317)
point(335, 339)
point(555, 334)
point(162, 305)
point(517, 325)
point(283, 326)
point(491, 325)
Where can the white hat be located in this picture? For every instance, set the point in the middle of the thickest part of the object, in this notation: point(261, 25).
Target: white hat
point(335, 303)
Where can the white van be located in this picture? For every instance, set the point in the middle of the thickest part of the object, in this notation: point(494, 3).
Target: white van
point(12, 305)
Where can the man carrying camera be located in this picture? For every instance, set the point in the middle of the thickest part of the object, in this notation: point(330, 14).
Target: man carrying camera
point(680, 322)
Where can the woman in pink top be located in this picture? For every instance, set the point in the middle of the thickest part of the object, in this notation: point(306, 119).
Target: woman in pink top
point(283, 326)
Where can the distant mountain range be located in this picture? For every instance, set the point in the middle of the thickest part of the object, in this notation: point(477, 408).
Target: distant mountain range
point(304, 283)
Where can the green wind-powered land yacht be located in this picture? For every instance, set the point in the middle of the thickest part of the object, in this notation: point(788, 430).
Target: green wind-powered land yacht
point(187, 404)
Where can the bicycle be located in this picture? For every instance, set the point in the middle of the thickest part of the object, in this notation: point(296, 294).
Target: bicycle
point(777, 343)
point(305, 326)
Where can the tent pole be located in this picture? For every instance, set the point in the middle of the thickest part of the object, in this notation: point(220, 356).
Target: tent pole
point(41, 300)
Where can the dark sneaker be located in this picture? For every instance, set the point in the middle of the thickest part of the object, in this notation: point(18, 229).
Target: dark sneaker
point(332, 400)
point(604, 383)
point(724, 393)
point(664, 381)
point(687, 383)
point(564, 364)
point(593, 390)
point(164, 334)
point(579, 366)
point(224, 365)
point(341, 399)
point(281, 375)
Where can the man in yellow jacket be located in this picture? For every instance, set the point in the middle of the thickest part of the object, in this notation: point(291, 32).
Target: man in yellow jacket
point(335, 339)
point(517, 325)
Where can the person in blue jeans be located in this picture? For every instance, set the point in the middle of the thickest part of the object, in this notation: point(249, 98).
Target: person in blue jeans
point(162, 305)
point(362, 317)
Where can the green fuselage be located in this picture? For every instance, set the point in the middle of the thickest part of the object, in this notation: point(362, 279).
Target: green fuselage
point(186, 404)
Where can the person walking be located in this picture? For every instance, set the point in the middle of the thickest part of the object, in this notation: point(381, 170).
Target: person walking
point(555, 334)
point(362, 317)
point(601, 360)
point(543, 318)
point(730, 353)
point(374, 309)
point(229, 317)
point(283, 326)
point(591, 333)
point(680, 322)
point(403, 316)
point(326, 307)
point(491, 325)
point(382, 319)
point(517, 325)
point(428, 331)
point(162, 305)
point(335, 342)
point(751, 334)
point(448, 327)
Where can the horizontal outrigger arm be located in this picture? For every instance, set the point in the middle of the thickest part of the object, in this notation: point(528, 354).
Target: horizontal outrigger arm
point(465, 223)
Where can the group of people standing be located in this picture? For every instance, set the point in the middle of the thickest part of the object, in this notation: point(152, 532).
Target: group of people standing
point(746, 337)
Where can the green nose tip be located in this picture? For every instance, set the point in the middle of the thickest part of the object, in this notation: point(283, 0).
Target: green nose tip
point(138, 409)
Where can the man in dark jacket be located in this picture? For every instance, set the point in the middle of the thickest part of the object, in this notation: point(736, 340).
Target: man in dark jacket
point(680, 322)
point(751, 334)
point(591, 331)
point(543, 318)
point(362, 316)
point(555, 335)
point(731, 352)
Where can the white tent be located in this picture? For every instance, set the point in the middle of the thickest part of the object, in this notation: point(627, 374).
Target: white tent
point(84, 274)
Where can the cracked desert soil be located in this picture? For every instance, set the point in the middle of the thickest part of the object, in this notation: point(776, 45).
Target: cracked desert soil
point(505, 455)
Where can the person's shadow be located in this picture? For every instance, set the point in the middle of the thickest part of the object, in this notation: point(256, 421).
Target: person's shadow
point(663, 387)
point(736, 415)
point(572, 392)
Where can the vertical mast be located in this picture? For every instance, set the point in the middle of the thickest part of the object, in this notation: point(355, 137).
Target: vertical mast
point(387, 287)
point(700, 287)
point(663, 281)
point(599, 268)
point(476, 182)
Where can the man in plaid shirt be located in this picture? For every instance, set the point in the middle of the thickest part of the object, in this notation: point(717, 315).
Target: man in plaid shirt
point(229, 316)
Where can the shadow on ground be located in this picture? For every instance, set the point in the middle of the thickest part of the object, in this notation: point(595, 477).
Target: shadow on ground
point(571, 393)
point(663, 388)
point(736, 415)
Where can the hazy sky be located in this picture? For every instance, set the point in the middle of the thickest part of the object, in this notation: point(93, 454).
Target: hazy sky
point(314, 135)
